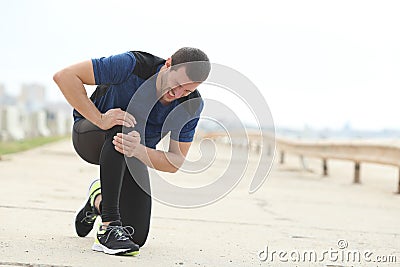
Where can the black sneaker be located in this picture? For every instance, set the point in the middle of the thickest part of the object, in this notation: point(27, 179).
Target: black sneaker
point(85, 218)
point(114, 239)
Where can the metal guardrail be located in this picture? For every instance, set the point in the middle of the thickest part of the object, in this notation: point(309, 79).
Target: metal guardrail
point(356, 151)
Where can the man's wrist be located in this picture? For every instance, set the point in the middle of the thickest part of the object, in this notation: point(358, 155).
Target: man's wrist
point(99, 120)
point(140, 152)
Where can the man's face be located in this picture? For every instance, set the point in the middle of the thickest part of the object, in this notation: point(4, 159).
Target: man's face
point(176, 84)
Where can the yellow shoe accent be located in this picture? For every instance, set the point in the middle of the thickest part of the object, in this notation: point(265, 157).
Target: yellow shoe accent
point(94, 190)
point(133, 253)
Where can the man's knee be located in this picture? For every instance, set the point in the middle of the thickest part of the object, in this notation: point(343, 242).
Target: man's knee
point(113, 131)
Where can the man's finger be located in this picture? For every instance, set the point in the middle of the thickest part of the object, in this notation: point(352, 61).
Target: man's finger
point(134, 134)
point(120, 122)
point(131, 117)
point(129, 121)
point(117, 144)
point(120, 147)
point(122, 115)
point(123, 140)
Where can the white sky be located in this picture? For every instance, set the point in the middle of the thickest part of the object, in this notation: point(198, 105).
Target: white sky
point(320, 63)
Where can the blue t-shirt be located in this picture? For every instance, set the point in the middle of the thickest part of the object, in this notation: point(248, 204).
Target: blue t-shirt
point(127, 81)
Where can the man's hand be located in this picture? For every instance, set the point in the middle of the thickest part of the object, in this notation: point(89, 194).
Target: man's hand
point(128, 144)
point(116, 116)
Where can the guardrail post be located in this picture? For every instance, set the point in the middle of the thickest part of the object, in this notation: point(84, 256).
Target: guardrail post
point(357, 173)
point(398, 186)
point(325, 167)
point(282, 157)
point(303, 162)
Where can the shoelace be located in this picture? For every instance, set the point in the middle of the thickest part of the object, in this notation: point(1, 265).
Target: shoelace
point(89, 217)
point(120, 232)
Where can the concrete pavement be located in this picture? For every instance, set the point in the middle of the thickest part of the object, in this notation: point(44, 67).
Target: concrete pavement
point(295, 211)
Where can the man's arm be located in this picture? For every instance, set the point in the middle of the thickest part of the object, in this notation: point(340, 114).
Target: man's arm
point(71, 82)
point(171, 161)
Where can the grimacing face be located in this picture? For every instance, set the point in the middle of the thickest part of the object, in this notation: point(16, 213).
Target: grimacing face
point(176, 84)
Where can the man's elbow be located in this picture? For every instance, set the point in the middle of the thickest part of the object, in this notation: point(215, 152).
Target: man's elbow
point(173, 170)
point(175, 167)
point(58, 76)
point(64, 75)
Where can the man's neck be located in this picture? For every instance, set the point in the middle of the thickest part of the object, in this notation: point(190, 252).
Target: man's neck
point(160, 85)
point(159, 81)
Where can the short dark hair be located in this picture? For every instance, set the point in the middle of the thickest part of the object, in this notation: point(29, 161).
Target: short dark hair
point(197, 72)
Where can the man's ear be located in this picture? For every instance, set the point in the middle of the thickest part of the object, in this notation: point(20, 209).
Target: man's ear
point(168, 62)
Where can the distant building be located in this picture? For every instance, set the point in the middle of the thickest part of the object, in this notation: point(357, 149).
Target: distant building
point(5, 99)
point(30, 115)
point(32, 97)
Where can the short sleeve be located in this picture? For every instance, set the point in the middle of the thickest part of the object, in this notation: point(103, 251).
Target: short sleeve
point(114, 69)
point(187, 132)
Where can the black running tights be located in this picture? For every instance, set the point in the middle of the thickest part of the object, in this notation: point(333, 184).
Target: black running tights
point(122, 198)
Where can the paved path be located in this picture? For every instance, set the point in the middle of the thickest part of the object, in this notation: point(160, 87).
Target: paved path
point(295, 211)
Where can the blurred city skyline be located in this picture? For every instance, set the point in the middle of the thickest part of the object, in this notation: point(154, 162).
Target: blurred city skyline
point(319, 64)
point(32, 98)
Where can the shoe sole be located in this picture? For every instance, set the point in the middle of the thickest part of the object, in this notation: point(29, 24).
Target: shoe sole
point(119, 252)
point(132, 253)
point(84, 204)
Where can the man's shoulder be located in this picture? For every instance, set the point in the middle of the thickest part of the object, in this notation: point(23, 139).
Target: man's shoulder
point(146, 64)
point(193, 103)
